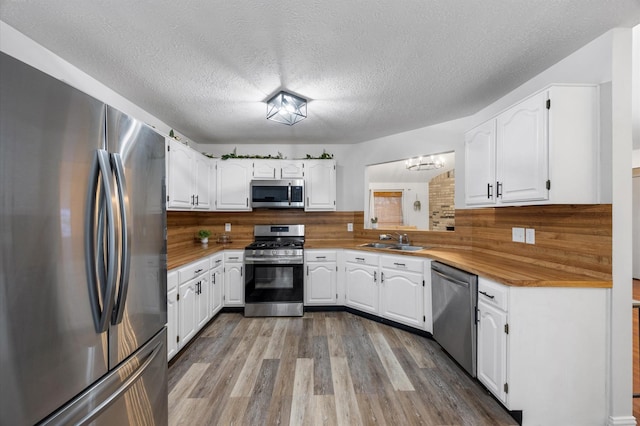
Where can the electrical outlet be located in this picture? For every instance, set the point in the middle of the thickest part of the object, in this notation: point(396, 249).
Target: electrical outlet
point(517, 235)
point(227, 227)
point(530, 236)
point(350, 227)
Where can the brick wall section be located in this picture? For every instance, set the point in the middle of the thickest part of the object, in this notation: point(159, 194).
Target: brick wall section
point(441, 201)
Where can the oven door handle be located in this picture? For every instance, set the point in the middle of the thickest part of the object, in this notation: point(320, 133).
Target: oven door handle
point(282, 261)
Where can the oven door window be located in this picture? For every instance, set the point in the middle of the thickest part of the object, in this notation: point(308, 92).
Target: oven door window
point(274, 283)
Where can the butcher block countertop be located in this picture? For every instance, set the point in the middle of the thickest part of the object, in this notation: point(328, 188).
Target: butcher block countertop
point(498, 268)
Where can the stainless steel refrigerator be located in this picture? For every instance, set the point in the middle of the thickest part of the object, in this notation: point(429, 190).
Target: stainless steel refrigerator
point(83, 258)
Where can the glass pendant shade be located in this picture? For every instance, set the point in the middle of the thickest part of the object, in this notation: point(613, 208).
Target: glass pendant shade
point(286, 108)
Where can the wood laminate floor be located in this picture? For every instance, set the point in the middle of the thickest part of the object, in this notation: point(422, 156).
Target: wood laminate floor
point(326, 368)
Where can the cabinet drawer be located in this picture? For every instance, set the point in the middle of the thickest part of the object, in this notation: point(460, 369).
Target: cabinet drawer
point(172, 280)
point(233, 257)
point(192, 270)
point(403, 263)
point(320, 256)
point(493, 293)
point(216, 260)
point(361, 257)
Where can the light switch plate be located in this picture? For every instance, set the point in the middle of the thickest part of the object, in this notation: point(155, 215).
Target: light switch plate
point(530, 236)
point(227, 227)
point(350, 227)
point(517, 235)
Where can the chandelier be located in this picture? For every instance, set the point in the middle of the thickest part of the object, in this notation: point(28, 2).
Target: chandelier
point(420, 163)
point(286, 108)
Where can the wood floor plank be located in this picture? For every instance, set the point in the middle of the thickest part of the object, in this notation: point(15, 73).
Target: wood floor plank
point(324, 413)
point(410, 343)
point(248, 375)
point(305, 345)
point(370, 409)
point(302, 401)
point(322, 383)
point(394, 370)
point(367, 372)
point(276, 343)
point(347, 412)
point(188, 412)
point(234, 411)
point(334, 337)
point(185, 385)
point(262, 392)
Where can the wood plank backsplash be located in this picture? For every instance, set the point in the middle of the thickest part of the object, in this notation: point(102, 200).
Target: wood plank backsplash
point(572, 237)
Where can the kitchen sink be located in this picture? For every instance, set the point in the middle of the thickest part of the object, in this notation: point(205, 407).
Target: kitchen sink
point(379, 245)
point(400, 247)
point(405, 247)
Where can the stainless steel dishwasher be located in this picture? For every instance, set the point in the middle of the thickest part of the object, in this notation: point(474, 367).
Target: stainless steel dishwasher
point(454, 297)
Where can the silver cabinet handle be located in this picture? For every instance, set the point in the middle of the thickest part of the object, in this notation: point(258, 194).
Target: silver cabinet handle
point(450, 279)
point(125, 239)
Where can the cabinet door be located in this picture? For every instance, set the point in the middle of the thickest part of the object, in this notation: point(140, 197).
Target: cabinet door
point(402, 296)
point(492, 349)
point(480, 164)
point(320, 181)
point(266, 169)
point(202, 301)
point(362, 287)
point(320, 284)
point(180, 175)
point(202, 186)
point(172, 323)
point(522, 151)
point(232, 185)
point(233, 284)
point(291, 169)
point(216, 283)
point(188, 314)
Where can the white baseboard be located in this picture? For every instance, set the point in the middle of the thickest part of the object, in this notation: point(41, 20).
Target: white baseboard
point(622, 421)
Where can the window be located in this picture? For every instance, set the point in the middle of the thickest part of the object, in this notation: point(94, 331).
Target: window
point(387, 206)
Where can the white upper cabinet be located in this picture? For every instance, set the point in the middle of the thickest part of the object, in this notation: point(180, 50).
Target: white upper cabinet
point(278, 169)
point(189, 178)
point(521, 147)
point(480, 152)
point(543, 150)
point(233, 178)
point(320, 181)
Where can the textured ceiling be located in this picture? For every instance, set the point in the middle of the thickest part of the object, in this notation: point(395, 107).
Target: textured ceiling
point(369, 68)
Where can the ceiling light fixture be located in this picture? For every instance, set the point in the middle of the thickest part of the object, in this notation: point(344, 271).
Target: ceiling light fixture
point(286, 108)
point(418, 164)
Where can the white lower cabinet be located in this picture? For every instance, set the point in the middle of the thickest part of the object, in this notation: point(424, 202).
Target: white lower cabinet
point(233, 278)
point(172, 314)
point(216, 283)
point(321, 277)
point(188, 311)
point(402, 286)
point(537, 352)
point(492, 337)
point(361, 281)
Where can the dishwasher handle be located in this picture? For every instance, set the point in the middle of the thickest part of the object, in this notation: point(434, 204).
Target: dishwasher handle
point(451, 279)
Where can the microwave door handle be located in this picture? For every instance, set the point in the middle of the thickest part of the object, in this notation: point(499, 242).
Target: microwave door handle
point(289, 193)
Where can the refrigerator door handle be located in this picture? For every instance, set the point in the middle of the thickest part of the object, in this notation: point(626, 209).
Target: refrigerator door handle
point(125, 239)
point(101, 282)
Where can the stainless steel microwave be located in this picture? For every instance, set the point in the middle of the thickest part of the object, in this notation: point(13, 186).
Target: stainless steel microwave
point(279, 194)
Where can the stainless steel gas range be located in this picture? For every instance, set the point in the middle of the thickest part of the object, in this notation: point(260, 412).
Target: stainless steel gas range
point(274, 277)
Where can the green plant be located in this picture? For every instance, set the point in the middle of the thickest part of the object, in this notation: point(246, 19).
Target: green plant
point(324, 156)
point(204, 233)
point(234, 154)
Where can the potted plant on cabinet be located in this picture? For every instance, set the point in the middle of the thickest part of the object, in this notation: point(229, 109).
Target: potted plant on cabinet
point(204, 235)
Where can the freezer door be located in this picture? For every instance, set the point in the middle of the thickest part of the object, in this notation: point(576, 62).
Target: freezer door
point(138, 161)
point(133, 394)
point(49, 349)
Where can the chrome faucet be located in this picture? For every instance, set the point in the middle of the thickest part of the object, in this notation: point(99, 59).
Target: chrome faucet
point(403, 238)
